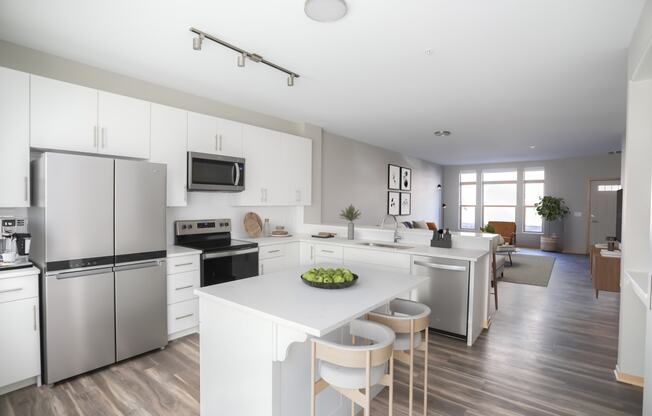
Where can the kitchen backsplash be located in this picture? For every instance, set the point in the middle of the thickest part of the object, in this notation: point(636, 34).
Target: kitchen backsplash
point(207, 205)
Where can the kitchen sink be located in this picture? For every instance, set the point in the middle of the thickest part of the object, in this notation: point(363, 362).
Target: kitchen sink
point(385, 245)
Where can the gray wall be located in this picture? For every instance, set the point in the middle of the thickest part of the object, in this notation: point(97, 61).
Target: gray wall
point(566, 178)
point(356, 173)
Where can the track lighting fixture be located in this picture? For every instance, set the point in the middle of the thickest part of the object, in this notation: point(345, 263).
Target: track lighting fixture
point(196, 42)
point(244, 55)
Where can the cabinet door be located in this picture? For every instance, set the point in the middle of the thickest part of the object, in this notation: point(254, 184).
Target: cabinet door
point(261, 151)
point(229, 138)
point(298, 170)
point(14, 138)
point(63, 116)
point(168, 145)
point(276, 264)
point(124, 126)
point(19, 349)
point(202, 133)
point(306, 254)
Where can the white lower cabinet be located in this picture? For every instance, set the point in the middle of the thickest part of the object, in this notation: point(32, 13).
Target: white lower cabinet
point(277, 257)
point(20, 362)
point(183, 306)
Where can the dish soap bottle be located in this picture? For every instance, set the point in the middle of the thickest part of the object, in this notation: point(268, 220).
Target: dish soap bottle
point(266, 230)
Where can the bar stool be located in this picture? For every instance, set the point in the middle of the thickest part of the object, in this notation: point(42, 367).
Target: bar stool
point(407, 319)
point(349, 368)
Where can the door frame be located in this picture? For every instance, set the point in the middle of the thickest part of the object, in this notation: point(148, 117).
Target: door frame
point(588, 204)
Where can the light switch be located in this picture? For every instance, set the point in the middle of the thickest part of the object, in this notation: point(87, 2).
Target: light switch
point(577, 214)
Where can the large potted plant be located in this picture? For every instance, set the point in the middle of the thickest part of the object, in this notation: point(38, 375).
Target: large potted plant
point(551, 209)
point(351, 214)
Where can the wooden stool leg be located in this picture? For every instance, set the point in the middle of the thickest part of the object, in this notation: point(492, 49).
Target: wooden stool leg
point(352, 402)
point(312, 378)
point(411, 392)
point(425, 377)
point(391, 385)
point(367, 390)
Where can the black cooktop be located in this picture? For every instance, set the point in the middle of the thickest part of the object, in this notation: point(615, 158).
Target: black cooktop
point(206, 244)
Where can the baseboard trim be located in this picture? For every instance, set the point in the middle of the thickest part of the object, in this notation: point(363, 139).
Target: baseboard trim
point(628, 378)
point(172, 337)
point(19, 385)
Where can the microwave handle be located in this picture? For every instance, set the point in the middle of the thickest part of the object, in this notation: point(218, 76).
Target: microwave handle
point(236, 167)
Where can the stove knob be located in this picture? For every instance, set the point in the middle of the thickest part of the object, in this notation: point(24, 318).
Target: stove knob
point(190, 227)
point(183, 227)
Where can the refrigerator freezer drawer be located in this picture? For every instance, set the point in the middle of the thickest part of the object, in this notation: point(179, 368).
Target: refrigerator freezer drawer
point(141, 308)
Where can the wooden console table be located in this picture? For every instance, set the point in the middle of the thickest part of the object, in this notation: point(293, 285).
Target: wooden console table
point(605, 271)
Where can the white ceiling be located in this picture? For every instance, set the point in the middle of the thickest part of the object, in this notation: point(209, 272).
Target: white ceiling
point(503, 74)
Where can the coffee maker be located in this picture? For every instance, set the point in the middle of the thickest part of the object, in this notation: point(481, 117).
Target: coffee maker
point(14, 244)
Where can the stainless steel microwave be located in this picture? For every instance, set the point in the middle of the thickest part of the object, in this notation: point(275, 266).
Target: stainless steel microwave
point(207, 172)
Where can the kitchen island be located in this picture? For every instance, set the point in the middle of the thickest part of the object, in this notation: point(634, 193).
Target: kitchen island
point(255, 338)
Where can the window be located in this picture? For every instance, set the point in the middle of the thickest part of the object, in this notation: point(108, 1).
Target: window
point(609, 188)
point(468, 203)
point(533, 187)
point(499, 195)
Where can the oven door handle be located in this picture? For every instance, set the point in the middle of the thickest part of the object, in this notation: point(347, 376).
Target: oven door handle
point(208, 256)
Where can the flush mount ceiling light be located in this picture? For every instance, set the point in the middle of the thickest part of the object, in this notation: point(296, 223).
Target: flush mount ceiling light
point(441, 133)
point(533, 147)
point(243, 55)
point(325, 10)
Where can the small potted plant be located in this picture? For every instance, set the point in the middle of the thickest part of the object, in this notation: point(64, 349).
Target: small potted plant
point(350, 214)
point(551, 209)
point(488, 229)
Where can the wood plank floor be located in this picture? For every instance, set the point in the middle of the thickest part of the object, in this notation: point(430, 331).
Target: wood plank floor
point(550, 351)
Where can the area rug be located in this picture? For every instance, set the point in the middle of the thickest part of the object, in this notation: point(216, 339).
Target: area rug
point(529, 270)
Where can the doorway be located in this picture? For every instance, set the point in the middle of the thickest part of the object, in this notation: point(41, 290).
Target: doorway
point(602, 209)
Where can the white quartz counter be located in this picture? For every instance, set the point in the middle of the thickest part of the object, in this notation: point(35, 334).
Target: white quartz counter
point(27, 271)
point(178, 251)
point(414, 249)
point(282, 298)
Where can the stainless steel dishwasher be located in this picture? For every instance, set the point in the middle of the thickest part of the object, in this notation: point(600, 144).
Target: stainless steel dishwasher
point(446, 293)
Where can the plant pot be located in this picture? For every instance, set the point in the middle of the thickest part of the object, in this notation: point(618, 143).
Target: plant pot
point(549, 243)
point(351, 231)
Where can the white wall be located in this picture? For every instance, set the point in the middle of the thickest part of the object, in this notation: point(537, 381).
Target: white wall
point(566, 178)
point(356, 173)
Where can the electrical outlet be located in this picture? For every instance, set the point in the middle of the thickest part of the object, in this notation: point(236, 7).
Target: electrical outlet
point(577, 214)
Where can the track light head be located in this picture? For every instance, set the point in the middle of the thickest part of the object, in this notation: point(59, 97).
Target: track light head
point(241, 60)
point(291, 80)
point(196, 42)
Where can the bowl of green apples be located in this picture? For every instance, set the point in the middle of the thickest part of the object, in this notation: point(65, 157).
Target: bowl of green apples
point(329, 278)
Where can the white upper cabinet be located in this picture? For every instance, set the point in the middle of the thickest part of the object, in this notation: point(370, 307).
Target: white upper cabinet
point(74, 118)
point(63, 116)
point(169, 145)
point(298, 170)
point(14, 138)
point(124, 124)
point(207, 134)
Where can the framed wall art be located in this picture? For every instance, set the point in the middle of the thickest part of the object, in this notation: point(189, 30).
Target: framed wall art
point(393, 203)
point(406, 203)
point(406, 179)
point(393, 177)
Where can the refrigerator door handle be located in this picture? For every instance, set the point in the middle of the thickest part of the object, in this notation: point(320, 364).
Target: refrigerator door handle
point(71, 275)
point(440, 266)
point(143, 265)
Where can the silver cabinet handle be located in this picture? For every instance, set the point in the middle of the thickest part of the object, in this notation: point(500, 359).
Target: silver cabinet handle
point(441, 266)
point(183, 264)
point(273, 251)
point(262, 195)
point(217, 147)
point(105, 139)
point(265, 194)
point(220, 142)
point(298, 194)
point(184, 316)
point(95, 134)
point(18, 289)
point(26, 189)
point(184, 287)
point(312, 252)
point(262, 268)
point(35, 320)
point(328, 251)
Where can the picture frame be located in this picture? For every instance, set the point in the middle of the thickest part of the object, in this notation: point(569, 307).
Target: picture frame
point(406, 179)
point(393, 177)
point(393, 203)
point(406, 203)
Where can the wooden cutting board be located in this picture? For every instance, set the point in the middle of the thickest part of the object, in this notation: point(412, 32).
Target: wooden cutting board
point(253, 224)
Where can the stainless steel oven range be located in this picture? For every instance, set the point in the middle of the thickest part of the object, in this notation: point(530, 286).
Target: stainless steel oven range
point(223, 259)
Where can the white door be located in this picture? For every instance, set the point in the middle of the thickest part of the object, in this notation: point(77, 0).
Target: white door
point(602, 218)
point(168, 145)
point(14, 138)
point(261, 150)
point(63, 116)
point(202, 133)
point(229, 137)
point(124, 126)
point(19, 349)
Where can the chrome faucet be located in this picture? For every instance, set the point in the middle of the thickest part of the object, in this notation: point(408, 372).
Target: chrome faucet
point(382, 224)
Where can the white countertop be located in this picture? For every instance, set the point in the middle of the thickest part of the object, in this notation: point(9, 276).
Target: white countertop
point(27, 271)
point(285, 300)
point(177, 251)
point(415, 249)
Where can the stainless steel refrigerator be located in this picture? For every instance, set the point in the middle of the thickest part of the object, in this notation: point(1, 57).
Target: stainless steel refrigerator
point(99, 238)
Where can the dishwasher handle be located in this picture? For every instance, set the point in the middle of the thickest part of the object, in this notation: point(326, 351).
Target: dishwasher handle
point(440, 266)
